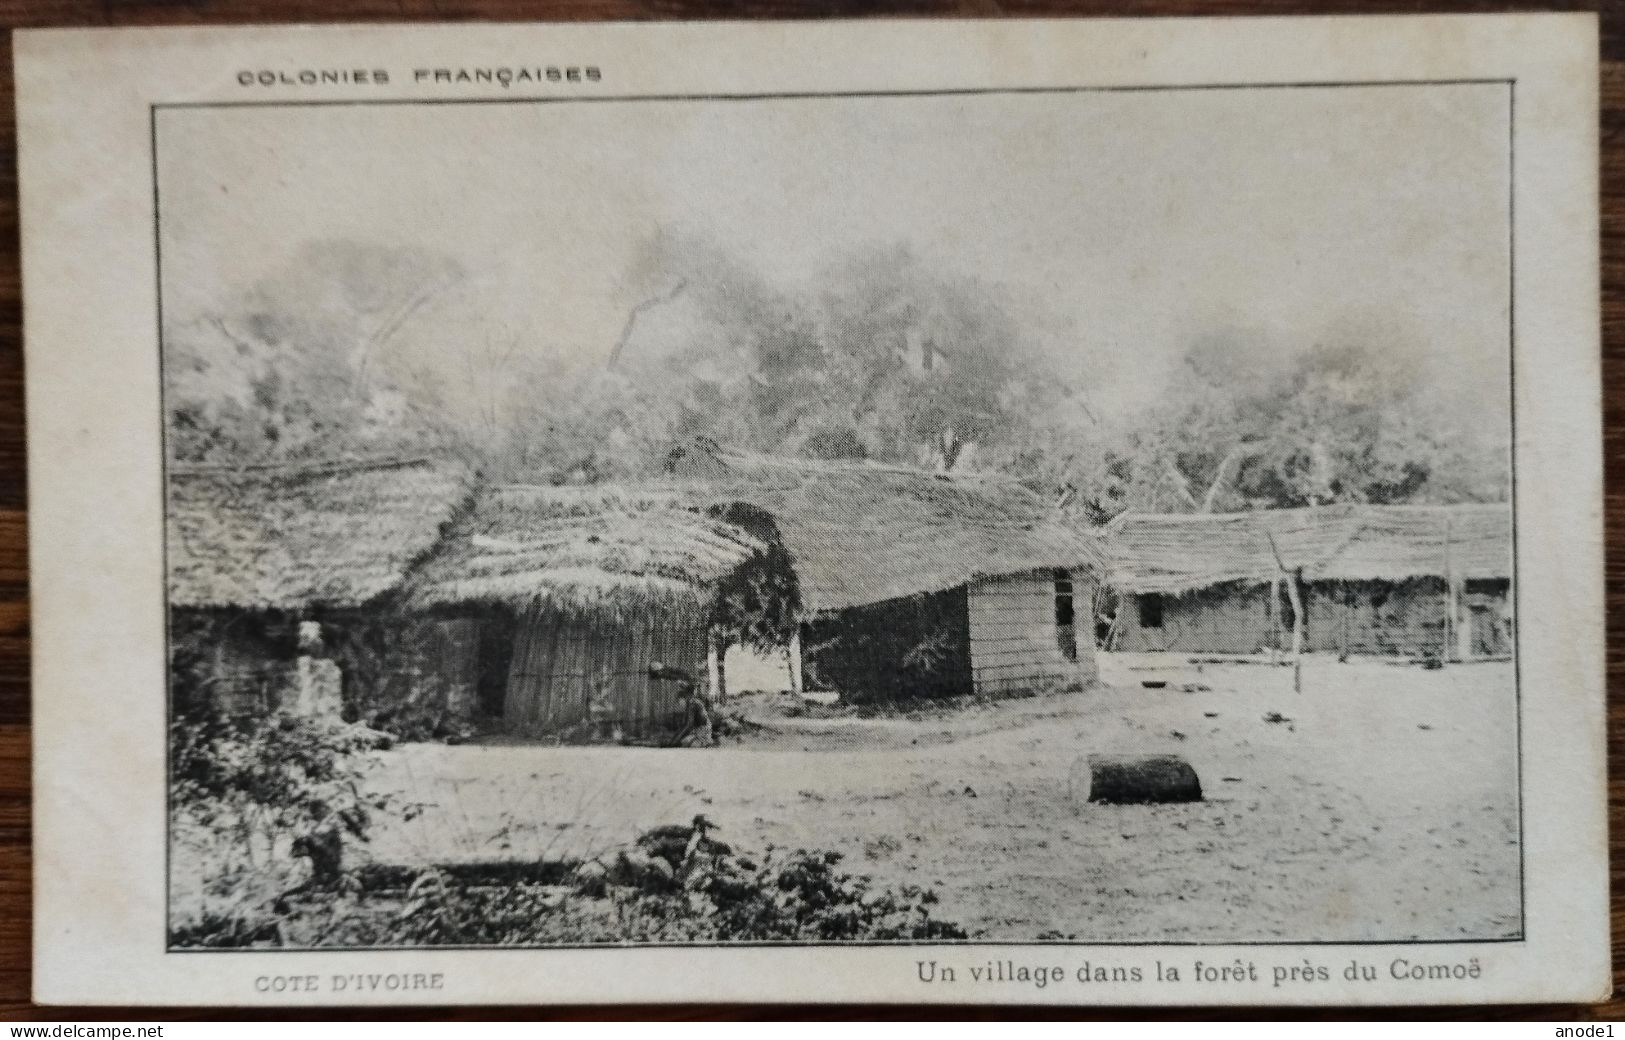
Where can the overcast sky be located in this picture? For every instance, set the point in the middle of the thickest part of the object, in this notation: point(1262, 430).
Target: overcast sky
point(1140, 222)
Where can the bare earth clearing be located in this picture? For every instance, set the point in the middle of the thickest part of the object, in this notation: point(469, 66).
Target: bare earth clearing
point(1385, 808)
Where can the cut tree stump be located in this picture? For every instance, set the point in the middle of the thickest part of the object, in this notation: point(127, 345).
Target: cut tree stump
point(1142, 779)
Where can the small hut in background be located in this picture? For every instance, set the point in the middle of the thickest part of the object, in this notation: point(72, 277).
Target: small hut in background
point(1405, 581)
point(275, 574)
point(915, 583)
point(573, 593)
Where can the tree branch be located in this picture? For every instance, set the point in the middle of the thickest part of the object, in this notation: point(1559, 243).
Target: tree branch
point(1221, 476)
point(632, 318)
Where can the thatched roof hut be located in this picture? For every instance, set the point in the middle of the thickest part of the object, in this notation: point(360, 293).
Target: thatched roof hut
point(297, 537)
point(602, 547)
point(578, 591)
point(1175, 553)
point(1405, 580)
point(860, 533)
point(914, 583)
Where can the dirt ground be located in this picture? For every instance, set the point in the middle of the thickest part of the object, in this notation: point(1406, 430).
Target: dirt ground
point(1383, 805)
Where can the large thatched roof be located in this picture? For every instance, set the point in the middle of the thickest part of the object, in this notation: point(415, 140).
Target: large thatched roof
point(602, 547)
point(342, 535)
point(1347, 542)
point(860, 533)
point(296, 537)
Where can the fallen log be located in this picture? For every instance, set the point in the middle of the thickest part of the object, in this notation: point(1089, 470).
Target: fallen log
point(1142, 779)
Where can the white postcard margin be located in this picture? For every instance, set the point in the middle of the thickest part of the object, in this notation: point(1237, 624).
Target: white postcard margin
point(96, 529)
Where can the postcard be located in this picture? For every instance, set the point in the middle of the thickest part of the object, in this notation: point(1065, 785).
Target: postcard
point(1079, 512)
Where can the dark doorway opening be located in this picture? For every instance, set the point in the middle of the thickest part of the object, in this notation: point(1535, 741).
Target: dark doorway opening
point(1151, 610)
point(1066, 632)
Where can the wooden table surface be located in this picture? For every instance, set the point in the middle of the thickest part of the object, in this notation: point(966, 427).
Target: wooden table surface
point(15, 910)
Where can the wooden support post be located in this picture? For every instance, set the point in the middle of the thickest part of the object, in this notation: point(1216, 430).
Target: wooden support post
point(1297, 613)
point(1274, 605)
point(722, 672)
point(1291, 577)
point(1451, 651)
point(793, 654)
point(1297, 631)
point(713, 668)
point(1345, 602)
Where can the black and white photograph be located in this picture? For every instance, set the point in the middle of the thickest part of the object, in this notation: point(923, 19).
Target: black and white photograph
point(1077, 512)
point(1075, 516)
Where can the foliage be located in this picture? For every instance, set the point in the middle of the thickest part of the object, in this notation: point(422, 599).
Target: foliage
point(758, 605)
point(247, 800)
point(289, 369)
point(411, 700)
point(200, 682)
point(879, 355)
point(898, 651)
point(1355, 424)
point(808, 896)
point(676, 883)
point(277, 774)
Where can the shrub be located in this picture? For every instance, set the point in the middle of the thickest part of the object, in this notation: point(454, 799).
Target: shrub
point(248, 801)
point(675, 884)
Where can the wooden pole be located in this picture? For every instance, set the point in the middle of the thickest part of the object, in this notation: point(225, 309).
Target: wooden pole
point(1297, 631)
point(722, 671)
point(1291, 578)
point(1275, 617)
point(1297, 614)
point(713, 668)
point(793, 652)
point(1452, 600)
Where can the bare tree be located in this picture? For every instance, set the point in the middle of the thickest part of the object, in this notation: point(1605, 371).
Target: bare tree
point(632, 318)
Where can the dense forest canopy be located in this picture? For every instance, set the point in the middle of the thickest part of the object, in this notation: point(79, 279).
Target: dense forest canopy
point(881, 356)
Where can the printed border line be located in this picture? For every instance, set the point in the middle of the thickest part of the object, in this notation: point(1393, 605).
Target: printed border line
point(1512, 450)
point(1512, 86)
point(832, 94)
point(163, 550)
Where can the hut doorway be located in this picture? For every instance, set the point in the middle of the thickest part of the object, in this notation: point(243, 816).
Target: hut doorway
point(1066, 632)
point(496, 637)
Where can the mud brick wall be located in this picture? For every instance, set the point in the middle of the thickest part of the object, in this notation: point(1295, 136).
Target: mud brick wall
point(1228, 619)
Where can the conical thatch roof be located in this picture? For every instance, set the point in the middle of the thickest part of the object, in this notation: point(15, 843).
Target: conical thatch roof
point(860, 533)
point(1161, 552)
point(296, 537)
point(597, 547)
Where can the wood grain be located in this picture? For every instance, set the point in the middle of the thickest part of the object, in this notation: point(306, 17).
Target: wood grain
point(15, 908)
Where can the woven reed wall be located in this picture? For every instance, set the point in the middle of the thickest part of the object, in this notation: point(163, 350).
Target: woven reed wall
point(561, 657)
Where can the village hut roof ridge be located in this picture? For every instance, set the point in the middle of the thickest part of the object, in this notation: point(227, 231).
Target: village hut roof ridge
point(1179, 552)
point(331, 533)
point(859, 532)
point(599, 547)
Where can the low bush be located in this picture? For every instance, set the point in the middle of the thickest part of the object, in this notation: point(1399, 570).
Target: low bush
point(259, 808)
point(263, 814)
point(666, 888)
